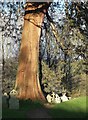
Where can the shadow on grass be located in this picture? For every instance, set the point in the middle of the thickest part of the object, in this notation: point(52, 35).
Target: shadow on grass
point(71, 109)
point(75, 108)
point(24, 107)
point(62, 113)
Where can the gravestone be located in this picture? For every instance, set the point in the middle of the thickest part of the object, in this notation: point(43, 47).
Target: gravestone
point(57, 99)
point(53, 96)
point(13, 103)
point(49, 98)
point(13, 93)
point(5, 101)
point(69, 98)
point(64, 97)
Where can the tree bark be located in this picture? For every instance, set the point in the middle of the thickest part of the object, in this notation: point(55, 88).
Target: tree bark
point(27, 80)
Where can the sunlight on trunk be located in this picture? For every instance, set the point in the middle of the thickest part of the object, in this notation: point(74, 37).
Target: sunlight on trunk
point(27, 80)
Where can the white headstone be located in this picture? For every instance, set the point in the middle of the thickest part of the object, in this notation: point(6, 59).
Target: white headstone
point(53, 96)
point(49, 98)
point(64, 98)
point(5, 94)
point(57, 99)
point(69, 98)
point(13, 92)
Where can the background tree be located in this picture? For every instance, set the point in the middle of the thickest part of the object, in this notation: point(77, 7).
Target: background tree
point(62, 47)
point(68, 38)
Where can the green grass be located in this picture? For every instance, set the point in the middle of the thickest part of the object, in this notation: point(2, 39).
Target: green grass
point(24, 107)
point(75, 108)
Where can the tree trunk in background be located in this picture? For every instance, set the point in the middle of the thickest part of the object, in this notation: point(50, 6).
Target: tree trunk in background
point(27, 80)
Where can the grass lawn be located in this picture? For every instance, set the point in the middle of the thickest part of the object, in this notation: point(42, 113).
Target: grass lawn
point(75, 108)
point(25, 106)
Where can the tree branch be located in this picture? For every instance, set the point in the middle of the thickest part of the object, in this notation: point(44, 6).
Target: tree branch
point(56, 34)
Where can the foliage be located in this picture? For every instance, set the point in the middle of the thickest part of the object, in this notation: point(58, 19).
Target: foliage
point(67, 53)
point(62, 69)
point(50, 80)
point(9, 75)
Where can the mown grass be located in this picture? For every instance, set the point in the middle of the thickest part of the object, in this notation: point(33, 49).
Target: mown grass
point(24, 107)
point(75, 108)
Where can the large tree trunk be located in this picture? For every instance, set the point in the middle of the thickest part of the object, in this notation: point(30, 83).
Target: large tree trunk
point(27, 80)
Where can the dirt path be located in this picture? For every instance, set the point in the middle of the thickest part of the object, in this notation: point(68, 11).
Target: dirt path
point(38, 113)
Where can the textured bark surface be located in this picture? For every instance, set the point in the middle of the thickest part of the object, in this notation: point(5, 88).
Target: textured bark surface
point(27, 81)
